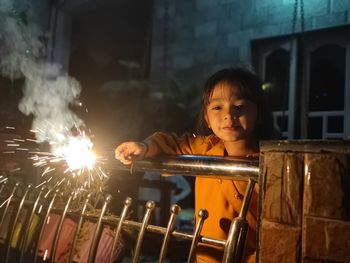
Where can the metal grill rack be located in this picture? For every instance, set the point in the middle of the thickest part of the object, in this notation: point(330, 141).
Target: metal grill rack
point(22, 204)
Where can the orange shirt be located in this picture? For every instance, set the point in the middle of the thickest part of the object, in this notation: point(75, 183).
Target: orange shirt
point(221, 198)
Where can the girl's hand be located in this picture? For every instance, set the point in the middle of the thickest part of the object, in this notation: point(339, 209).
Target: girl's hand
point(127, 152)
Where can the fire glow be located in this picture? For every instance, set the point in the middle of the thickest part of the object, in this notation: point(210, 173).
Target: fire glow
point(78, 154)
point(72, 156)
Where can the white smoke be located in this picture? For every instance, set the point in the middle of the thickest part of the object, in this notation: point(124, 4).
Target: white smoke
point(48, 92)
point(47, 95)
point(19, 39)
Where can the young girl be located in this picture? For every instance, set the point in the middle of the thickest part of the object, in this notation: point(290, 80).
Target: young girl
point(233, 118)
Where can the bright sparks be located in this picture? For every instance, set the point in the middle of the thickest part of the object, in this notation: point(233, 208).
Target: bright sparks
point(78, 154)
point(72, 158)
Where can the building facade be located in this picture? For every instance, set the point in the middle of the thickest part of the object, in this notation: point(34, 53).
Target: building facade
point(300, 48)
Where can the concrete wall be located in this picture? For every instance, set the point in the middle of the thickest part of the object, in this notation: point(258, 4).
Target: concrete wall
point(202, 36)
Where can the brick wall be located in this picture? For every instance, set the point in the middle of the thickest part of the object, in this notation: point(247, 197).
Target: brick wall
point(304, 202)
point(205, 35)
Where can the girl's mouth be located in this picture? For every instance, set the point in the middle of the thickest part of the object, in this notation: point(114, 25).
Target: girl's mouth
point(228, 128)
point(232, 128)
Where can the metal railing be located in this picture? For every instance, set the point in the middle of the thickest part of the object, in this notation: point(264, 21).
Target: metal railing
point(41, 202)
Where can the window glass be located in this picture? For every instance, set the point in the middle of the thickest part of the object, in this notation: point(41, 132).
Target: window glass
point(282, 122)
point(315, 128)
point(335, 124)
point(327, 78)
point(277, 79)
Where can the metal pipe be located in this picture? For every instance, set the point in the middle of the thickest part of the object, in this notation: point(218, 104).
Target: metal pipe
point(59, 228)
point(238, 231)
point(19, 210)
point(94, 243)
point(176, 234)
point(162, 231)
point(246, 199)
point(174, 210)
point(127, 204)
point(202, 214)
point(29, 223)
point(150, 205)
point(8, 201)
point(235, 241)
point(43, 224)
point(80, 222)
point(195, 165)
point(3, 183)
point(2, 187)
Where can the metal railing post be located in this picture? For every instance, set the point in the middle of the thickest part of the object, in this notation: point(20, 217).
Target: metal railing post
point(235, 242)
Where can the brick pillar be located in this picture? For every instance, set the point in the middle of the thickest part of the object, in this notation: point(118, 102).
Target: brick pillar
point(304, 201)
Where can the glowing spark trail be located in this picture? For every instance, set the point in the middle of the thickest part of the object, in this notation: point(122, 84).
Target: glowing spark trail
point(73, 157)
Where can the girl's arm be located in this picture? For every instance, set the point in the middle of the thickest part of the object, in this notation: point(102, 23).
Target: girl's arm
point(158, 143)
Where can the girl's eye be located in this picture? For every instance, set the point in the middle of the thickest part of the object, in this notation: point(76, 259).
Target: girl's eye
point(216, 107)
point(239, 107)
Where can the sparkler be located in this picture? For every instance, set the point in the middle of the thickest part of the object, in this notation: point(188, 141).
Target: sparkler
point(74, 156)
point(78, 154)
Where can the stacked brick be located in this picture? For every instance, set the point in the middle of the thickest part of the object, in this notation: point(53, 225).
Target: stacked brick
point(304, 202)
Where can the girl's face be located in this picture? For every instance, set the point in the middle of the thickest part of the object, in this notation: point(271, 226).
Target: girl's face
point(228, 115)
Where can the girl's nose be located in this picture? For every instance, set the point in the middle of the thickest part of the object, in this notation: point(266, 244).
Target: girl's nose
point(232, 117)
point(231, 114)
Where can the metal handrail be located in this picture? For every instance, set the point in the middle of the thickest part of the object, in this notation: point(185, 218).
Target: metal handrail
point(199, 166)
point(233, 168)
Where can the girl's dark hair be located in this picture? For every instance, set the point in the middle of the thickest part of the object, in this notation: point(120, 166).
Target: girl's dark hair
point(250, 87)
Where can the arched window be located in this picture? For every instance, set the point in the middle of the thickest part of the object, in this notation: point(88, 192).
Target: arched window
point(326, 90)
point(308, 82)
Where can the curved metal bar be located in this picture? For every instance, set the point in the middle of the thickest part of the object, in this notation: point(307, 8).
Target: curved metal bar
point(162, 231)
point(29, 222)
point(2, 187)
point(3, 183)
point(14, 223)
point(202, 214)
point(174, 210)
point(235, 243)
point(127, 204)
point(150, 205)
point(238, 231)
point(43, 224)
point(80, 222)
point(8, 201)
point(94, 242)
point(247, 197)
point(197, 165)
point(59, 228)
